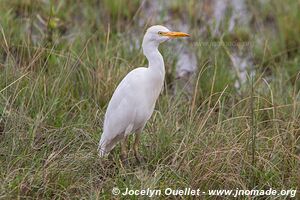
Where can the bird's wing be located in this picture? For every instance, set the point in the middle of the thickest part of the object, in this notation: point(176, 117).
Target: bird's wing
point(121, 108)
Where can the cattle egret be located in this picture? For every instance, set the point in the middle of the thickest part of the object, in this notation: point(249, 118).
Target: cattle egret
point(133, 101)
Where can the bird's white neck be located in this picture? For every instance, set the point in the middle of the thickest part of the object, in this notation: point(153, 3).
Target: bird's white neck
point(155, 59)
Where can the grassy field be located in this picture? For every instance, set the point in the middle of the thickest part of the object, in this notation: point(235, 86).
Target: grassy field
point(60, 62)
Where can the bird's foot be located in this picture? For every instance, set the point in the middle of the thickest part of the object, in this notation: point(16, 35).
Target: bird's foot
point(140, 159)
point(124, 160)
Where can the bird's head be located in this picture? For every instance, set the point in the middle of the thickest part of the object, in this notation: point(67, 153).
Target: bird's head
point(158, 34)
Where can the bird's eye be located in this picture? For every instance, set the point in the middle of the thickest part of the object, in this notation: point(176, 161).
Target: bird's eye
point(160, 32)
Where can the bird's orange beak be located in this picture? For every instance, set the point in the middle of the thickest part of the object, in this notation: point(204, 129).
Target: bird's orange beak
point(175, 34)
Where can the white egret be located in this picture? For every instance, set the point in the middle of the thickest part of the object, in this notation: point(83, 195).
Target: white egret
point(133, 101)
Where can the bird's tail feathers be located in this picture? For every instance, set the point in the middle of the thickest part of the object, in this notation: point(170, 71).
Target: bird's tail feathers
point(101, 148)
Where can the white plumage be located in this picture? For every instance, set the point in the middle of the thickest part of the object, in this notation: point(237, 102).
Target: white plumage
point(133, 101)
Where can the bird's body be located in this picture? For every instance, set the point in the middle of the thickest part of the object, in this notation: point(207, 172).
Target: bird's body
point(129, 111)
point(133, 101)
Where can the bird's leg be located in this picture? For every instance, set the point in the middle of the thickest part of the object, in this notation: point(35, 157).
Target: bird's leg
point(124, 153)
point(139, 158)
